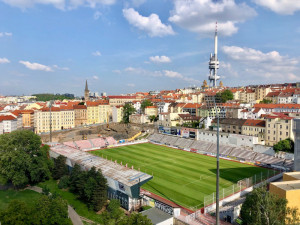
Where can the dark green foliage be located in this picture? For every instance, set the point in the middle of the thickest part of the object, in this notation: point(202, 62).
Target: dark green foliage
point(47, 210)
point(113, 214)
point(138, 219)
point(48, 97)
point(45, 190)
point(17, 212)
point(51, 210)
point(153, 118)
point(263, 208)
point(194, 124)
point(64, 182)
point(224, 96)
point(22, 159)
point(60, 168)
point(286, 145)
point(266, 101)
point(128, 109)
point(146, 103)
point(90, 186)
point(81, 103)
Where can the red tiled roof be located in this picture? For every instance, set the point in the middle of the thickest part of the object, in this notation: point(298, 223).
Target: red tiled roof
point(121, 97)
point(152, 106)
point(79, 107)
point(192, 105)
point(255, 123)
point(2, 118)
point(273, 106)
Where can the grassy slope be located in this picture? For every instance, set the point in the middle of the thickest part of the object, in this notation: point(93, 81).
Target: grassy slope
point(27, 196)
point(183, 177)
point(79, 206)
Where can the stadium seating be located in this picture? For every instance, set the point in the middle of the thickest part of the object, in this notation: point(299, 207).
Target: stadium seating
point(71, 144)
point(98, 142)
point(84, 144)
point(201, 145)
point(111, 141)
point(225, 150)
point(156, 137)
point(268, 159)
point(183, 143)
point(243, 154)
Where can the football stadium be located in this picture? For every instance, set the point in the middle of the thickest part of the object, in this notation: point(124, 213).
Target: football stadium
point(182, 177)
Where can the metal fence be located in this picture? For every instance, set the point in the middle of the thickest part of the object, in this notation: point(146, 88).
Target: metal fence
point(239, 186)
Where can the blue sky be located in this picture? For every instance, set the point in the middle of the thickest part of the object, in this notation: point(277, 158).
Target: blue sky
point(120, 46)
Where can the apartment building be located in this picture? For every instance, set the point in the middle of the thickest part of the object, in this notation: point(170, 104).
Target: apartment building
point(80, 113)
point(233, 126)
point(151, 111)
point(115, 100)
point(278, 127)
point(255, 128)
point(261, 92)
point(117, 113)
point(8, 123)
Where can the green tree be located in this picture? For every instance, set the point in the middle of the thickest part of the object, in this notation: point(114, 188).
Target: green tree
point(60, 168)
point(64, 182)
point(17, 212)
point(138, 219)
point(153, 118)
point(265, 101)
point(128, 109)
point(48, 97)
point(263, 208)
point(114, 214)
point(286, 145)
point(224, 96)
point(22, 159)
point(146, 103)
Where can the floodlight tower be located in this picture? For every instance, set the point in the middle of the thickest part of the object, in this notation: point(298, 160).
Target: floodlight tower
point(214, 63)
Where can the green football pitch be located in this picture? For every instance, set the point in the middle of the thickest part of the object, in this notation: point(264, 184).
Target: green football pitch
point(180, 176)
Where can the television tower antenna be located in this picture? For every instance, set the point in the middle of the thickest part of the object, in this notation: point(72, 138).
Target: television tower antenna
point(214, 63)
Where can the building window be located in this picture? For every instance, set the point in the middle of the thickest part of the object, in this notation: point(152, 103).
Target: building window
point(287, 133)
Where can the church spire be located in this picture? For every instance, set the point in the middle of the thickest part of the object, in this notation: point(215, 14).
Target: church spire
point(86, 86)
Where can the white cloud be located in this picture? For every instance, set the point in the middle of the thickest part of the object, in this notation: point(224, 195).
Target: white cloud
point(96, 53)
point(270, 65)
point(116, 71)
point(200, 16)
point(61, 68)
point(160, 59)
point(59, 4)
point(95, 77)
point(131, 85)
point(137, 3)
point(36, 66)
point(284, 7)
point(3, 34)
point(152, 25)
point(4, 61)
point(97, 15)
point(172, 74)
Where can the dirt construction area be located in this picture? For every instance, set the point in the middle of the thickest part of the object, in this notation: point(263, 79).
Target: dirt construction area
point(117, 130)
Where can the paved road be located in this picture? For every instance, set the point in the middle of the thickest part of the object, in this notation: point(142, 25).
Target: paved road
point(72, 213)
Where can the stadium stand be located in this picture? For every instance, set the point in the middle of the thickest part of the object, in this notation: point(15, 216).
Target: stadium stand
point(183, 143)
point(71, 144)
point(243, 154)
point(111, 141)
point(225, 150)
point(289, 163)
point(98, 142)
point(84, 144)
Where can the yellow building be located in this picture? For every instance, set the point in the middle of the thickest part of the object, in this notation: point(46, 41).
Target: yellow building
point(80, 112)
point(27, 118)
point(35, 105)
point(116, 100)
point(289, 189)
point(93, 112)
point(261, 92)
point(278, 128)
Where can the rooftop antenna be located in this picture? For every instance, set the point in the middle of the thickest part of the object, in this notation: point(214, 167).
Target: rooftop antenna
point(214, 62)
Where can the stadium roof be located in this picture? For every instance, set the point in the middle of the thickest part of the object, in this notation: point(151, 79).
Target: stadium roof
point(115, 171)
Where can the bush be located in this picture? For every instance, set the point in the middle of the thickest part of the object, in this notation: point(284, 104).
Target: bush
point(64, 182)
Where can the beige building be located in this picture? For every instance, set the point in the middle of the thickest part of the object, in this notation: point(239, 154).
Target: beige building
point(255, 128)
point(139, 118)
point(27, 118)
point(117, 114)
point(151, 111)
point(116, 100)
point(60, 119)
point(278, 128)
point(261, 92)
point(80, 112)
point(233, 126)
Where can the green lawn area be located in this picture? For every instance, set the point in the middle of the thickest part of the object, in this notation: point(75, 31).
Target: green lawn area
point(27, 196)
point(180, 176)
point(78, 205)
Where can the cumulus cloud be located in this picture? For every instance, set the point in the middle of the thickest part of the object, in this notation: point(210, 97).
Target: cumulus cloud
point(264, 65)
point(160, 59)
point(200, 16)
point(152, 25)
point(131, 85)
point(4, 61)
point(96, 53)
point(284, 7)
point(59, 4)
point(61, 68)
point(41, 67)
point(95, 77)
point(36, 66)
point(164, 73)
point(7, 34)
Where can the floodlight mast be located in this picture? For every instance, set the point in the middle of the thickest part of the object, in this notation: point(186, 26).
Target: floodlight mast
point(218, 164)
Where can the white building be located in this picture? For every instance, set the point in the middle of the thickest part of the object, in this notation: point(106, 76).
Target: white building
point(8, 124)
